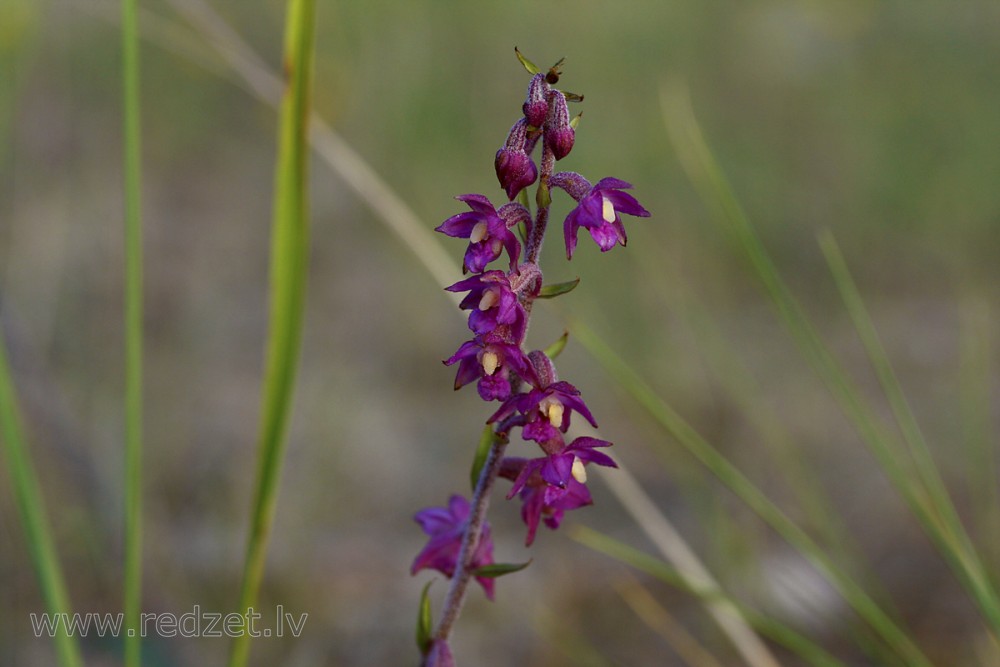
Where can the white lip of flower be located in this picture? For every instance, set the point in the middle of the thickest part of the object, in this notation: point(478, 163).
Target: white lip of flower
point(479, 232)
point(489, 299)
point(607, 210)
point(553, 409)
point(490, 362)
point(579, 472)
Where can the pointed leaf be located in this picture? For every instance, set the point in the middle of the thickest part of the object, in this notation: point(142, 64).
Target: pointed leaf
point(527, 64)
point(425, 621)
point(486, 441)
point(555, 289)
point(554, 350)
point(494, 570)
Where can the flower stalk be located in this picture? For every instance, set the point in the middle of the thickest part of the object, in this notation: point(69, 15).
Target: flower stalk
point(525, 383)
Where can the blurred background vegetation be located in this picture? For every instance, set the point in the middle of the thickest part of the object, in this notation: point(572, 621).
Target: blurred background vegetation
point(876, 120)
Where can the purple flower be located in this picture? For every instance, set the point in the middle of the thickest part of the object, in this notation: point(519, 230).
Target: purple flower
point(493, 303)
point(513, 164)
point(487, 233)
point(561, 468)
point(446, 527)
point(546, 411)
point(540, 500)
point(598, 211)
point(490, 362)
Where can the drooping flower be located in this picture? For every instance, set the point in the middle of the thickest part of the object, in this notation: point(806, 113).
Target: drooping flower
point(540, 500)
point(486, 230)
point(545, 409)
point(598, 211)
point(514, 166)
point(446, 527)
point(490, 362)
point(559, 468)
point(492, 302)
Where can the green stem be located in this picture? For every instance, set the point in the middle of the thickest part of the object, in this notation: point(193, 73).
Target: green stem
point(31, 507)
point(133, 337)
point(289, 258)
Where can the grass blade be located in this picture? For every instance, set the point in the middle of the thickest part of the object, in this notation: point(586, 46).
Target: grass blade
point(909, 470)
point(132, 593)
point(289, 257)
point(777, 631)
point(956, 544)
point(976, 397)
point(662, 622)
point(31, 507)
point(738, 483)
point(687, 564)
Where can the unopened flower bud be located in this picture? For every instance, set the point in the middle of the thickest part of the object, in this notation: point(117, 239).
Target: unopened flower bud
point(545, 370)
point(536, 107)
point(559, 134)
point(514, 166)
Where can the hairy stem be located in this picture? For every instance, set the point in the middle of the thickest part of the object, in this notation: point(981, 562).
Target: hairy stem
point(491, 469)
point(537, 232)
point(470, 541)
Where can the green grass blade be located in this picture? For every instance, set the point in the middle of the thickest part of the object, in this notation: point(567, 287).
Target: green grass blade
point(906, 474)
point(31, 507)
point(289, 257)
point(975, 376)
point(132, 594)
point(958, 546)
point(738, 483)
point(766, 626)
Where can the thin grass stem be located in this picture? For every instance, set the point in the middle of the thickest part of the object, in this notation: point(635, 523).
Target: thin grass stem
point(289, 259)
point(669, 542)
point(975, 373)
point(662, 622)
point(907, 468)
point(132, 593)
point(959, 549)
point(31, 508)
point(777, 631)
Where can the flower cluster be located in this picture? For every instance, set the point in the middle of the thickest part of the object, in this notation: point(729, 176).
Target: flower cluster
point(531, 396)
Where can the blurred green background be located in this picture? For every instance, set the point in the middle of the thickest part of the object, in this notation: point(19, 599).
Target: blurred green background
point(876, 120)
